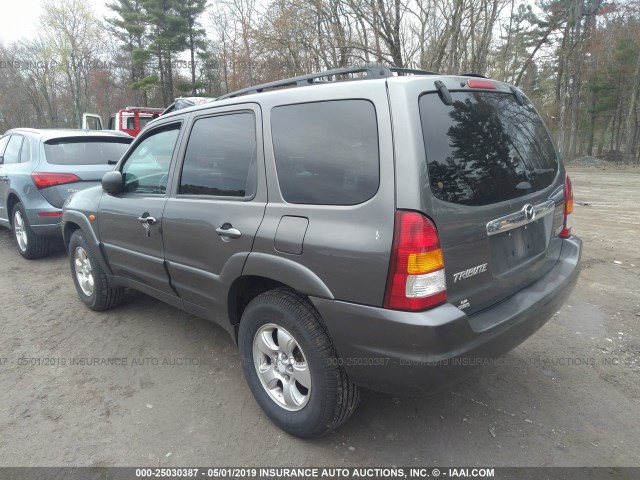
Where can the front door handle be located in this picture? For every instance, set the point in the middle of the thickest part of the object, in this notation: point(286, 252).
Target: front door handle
point(148, 220)
point(227, 231)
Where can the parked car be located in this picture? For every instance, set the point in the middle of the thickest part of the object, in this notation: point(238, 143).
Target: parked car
point(386, 232)
point(40, 169)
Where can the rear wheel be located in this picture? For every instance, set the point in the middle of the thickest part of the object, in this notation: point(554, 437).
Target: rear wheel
point(291, 365)
point(29, 244)
point(89, 278)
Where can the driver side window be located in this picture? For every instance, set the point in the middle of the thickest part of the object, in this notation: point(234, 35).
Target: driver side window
point(147, 168)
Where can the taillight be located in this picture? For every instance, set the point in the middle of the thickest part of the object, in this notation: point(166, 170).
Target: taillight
point(568, 208)
point(416, 274)
point(44, 180)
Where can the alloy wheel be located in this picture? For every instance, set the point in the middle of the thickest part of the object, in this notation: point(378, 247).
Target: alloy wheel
point(84, 273)
point(282, 367)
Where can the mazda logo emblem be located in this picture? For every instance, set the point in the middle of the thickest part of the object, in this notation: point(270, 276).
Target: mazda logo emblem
point(529, 212)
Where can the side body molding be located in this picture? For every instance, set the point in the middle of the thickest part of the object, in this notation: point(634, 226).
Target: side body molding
point(288, 272)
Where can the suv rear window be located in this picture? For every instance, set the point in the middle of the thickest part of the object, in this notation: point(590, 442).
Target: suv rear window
point(84, 151)
point(326, 152)
point(485, 148)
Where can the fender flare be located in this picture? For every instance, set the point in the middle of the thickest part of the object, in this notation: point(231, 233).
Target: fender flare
point(81, 220)
point(287, 272)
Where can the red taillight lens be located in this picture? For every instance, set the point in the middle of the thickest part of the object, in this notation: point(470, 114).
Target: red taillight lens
point(44, 180)
point(416, 274)
point(568, 208)
point(481, 84)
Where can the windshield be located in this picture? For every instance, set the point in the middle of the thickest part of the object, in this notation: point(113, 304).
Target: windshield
point(485, 148)
point(86, 151)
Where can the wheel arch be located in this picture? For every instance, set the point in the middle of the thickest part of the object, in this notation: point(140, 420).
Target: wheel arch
point(263, 272)
point(12, 200)
point(73, 220)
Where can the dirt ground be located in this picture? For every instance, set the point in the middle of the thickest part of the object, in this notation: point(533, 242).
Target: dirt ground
point(569, 396)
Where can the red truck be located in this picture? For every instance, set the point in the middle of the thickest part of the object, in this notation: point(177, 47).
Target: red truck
point(129, 120)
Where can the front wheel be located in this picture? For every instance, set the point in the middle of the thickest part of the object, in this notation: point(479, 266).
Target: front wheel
point(89, 278)
point(291, 365)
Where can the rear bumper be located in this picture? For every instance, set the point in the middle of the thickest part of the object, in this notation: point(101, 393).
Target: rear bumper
point(421, 353)
point(47, 230)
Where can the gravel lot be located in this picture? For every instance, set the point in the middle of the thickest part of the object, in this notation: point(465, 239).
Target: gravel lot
point(534, 408)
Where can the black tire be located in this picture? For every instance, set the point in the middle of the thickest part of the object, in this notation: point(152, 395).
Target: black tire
point(29, 244)
point(102, 295)
point(332, 398)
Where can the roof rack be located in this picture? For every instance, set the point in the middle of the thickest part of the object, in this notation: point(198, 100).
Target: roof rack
point(373, 70)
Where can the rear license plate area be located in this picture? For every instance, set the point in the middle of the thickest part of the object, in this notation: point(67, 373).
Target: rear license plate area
point(511, 249)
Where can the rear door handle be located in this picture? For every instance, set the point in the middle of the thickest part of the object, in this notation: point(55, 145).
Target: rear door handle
point(148, 220)
point(227, 231)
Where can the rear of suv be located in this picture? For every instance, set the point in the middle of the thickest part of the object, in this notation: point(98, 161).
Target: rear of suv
point(386, 232)
point(40, 169)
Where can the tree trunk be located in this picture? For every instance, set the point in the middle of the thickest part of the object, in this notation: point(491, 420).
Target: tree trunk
point(629, 148)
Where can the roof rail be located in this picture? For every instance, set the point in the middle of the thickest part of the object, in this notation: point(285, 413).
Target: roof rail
point(373, 70)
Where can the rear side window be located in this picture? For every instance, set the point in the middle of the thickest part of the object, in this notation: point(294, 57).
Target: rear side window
point(485, 148)
point(326, 152)
point(221, 157)
point(86, 151)
point(12, 153)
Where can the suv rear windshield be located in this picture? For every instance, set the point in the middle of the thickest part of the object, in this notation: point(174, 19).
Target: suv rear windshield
point(485, 148)
point(85, 151)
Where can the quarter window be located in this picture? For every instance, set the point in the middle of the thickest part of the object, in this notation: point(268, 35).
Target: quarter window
point(147, 168)
point(326, 152)
point(221, 157)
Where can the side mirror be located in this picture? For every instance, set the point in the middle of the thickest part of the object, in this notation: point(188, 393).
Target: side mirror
point(1, 159)
point(112, 182)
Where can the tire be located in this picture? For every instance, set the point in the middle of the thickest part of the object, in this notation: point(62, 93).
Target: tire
point(29, 244)
point(89, 278)
point(283, 319)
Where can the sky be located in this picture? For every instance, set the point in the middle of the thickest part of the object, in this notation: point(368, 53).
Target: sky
point(19, 18)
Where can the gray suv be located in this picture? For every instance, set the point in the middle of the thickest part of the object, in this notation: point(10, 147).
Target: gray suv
point(385, 232)
point(40, 169)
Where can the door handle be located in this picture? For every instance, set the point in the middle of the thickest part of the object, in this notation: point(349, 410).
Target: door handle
point(227, 231)
point(148, 220)
point(3, 177)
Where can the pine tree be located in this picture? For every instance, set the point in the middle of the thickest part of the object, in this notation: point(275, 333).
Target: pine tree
point(130, 28)
point(190, 11)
